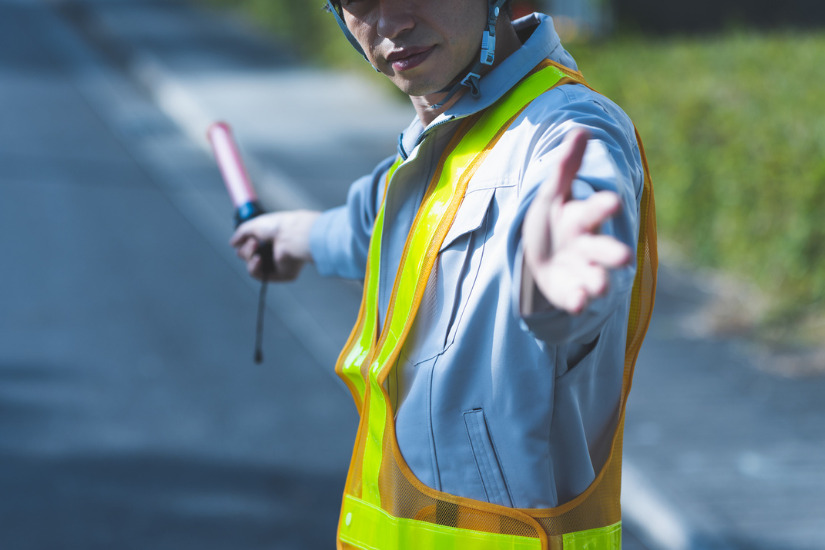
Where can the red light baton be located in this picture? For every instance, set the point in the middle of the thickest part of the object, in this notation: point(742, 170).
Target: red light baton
point(243, 196)
point(235, 176)
point(237, 182)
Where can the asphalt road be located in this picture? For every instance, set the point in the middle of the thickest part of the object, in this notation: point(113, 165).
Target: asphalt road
point(132, 415)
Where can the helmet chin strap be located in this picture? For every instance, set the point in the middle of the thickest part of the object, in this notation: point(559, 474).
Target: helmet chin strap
point(472, 79)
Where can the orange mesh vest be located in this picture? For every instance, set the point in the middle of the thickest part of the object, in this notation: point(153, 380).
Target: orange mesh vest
point(384, 506)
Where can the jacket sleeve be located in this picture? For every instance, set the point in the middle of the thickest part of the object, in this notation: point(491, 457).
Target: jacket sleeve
point(340, 237)
point(612, 162)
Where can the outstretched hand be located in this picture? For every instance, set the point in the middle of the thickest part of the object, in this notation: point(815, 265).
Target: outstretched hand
point(288, 235)
point(564, 254)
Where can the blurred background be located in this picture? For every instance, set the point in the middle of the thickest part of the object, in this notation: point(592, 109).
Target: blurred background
point(131, 413)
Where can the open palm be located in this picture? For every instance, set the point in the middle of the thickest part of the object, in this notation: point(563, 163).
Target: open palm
point(564, 254)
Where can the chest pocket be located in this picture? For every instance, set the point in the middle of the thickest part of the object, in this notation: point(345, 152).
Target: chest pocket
point(452, 279)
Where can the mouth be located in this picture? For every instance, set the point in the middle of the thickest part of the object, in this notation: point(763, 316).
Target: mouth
point(404, 59)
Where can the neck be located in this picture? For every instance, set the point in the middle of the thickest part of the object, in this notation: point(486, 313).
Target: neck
point(507, 42)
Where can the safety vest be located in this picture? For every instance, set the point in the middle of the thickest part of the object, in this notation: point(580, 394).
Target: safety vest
point(384, 505)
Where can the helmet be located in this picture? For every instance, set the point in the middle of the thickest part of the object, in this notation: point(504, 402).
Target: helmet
point(472, 78)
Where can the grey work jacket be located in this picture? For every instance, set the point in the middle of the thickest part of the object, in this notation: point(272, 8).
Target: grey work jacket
point(490, 404)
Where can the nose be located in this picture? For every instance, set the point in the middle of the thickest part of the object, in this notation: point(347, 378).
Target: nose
point(395, 17)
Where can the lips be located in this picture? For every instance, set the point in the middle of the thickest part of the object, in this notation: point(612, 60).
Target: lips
point(405, 59)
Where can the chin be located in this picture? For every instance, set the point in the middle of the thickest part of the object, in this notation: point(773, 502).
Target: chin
point(417, 88)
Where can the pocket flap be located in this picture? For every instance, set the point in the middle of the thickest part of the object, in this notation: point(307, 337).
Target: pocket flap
point(470, 215)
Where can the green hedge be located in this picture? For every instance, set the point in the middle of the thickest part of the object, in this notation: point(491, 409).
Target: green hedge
point(734, 127)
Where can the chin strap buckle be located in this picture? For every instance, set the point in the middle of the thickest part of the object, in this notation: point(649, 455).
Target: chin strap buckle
point(472, 81)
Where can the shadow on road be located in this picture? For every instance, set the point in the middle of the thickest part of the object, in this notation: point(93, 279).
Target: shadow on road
point(158, 501)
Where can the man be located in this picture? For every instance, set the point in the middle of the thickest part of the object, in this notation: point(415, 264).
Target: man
point(500, 322)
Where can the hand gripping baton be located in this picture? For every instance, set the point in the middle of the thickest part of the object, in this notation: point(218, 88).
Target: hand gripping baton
point(243, 196)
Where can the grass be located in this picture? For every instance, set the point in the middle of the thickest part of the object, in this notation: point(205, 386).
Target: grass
point(734, 127)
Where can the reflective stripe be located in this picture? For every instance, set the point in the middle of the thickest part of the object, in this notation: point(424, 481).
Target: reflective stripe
point(603, 538)
point(373, 448)
point(357, 349)
point(376, 409)
point(369, 527)
point(356, 356)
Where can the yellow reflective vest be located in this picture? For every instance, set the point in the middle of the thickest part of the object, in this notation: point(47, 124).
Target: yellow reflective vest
point(384, 505)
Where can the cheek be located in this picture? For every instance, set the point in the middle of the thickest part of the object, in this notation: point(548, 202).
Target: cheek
point(465, 51)
point(361, 30)
point(465, 31)
point(368, 40)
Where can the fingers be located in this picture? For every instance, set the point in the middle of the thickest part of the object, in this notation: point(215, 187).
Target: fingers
point(565, 292)
point(572, 153)
point(247, 241)
point(240, 235)
point(247, 248)
point(575, 143)
point(601, 250)
point(254, 267)
point(580, 272)
point(575, 224)
point(596, 209)
point(571, 285)
point(287, 234)
point(553, 216)
point(261, 228)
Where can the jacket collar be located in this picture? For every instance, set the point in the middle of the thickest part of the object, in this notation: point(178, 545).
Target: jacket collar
point(542, 43)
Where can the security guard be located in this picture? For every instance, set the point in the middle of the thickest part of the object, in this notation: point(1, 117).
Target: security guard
point(508, 253)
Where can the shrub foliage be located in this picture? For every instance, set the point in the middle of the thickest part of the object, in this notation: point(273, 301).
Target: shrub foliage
point(734, 128)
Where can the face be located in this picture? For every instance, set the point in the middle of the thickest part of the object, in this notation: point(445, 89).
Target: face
point(421, 45)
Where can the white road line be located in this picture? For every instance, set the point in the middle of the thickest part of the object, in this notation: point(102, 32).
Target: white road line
point(275, 189)
point(650, 516)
